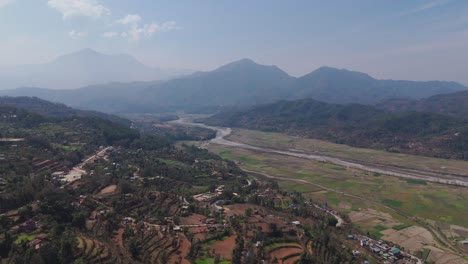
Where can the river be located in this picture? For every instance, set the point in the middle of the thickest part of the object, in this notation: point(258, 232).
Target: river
point(223, 132)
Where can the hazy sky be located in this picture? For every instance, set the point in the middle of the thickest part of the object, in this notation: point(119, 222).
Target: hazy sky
point(418, 40)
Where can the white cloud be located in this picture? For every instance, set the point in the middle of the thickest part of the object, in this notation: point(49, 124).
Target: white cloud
point(135, 31)
point(427, 6)
point(146, 31)
point(77, 8)
point(110, 34)
point(78, 34)
point(130, 20)
point(5, 2)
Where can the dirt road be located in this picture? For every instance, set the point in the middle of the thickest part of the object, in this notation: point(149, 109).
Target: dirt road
point(77, 171)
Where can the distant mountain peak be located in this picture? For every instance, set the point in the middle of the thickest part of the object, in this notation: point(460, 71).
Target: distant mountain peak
point(239, 63)
point(88, 51)
point(246, 64)
point(245, 61)
point(81, 53)
point(330, 72)
point(82, 68)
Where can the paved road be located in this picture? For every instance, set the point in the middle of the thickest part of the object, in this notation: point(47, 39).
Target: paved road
point(222, 132)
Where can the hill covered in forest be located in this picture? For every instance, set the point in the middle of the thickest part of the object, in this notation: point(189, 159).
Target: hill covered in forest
point(57, 110)
point(356, 125)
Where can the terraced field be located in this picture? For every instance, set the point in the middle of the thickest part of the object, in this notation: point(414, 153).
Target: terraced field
point(94, 251)
point(285, 253)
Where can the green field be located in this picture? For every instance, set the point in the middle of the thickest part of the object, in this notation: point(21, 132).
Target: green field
point(23, 238)
point(426, 253)
point(210, 261)
point(286, 142)
point(437, 202)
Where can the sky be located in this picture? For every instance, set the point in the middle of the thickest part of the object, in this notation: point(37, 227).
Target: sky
point(398, 39)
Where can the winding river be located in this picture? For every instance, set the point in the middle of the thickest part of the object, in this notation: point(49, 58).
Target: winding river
point(223, 132)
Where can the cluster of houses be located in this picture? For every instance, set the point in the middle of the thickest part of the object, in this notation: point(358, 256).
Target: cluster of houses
point(390, 254)
point(38, 241)
point(209, 196)
point(26, 227)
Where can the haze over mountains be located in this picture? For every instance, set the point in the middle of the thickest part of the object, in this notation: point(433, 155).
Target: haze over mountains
point(239, 83)
point(82, 68)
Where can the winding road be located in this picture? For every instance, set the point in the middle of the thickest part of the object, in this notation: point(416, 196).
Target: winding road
point(222, 132)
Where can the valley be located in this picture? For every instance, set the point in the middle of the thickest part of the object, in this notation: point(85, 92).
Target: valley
point(233, 132)
point(411, 199)
point(223, 138)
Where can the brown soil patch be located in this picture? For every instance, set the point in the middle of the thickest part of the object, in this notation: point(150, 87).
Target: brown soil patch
point(239, 208)
point(184, 249)
point(438, 256)
point(224, 248)
point(77, 184)
point(108, 190)
point(198, 232)
point(118, 239)
point(369, 218)
point(193, 219)
point(413, 238)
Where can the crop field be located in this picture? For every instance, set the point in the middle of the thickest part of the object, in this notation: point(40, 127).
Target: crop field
point(437, 202)
point(286, 142)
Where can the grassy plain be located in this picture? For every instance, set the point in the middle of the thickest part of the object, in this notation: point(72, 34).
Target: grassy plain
point(286, 142)
point(437, 202)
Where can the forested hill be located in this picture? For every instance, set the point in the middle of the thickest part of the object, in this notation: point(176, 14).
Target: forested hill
point(454, 104)
point(356, 125)
point(89, 130)
point(49, 109)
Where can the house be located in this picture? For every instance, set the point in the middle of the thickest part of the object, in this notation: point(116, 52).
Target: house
point(296, 223)
point(395, 251)
point(58, 174)
point(128, 220)
point(210, 221)
point(29, 226)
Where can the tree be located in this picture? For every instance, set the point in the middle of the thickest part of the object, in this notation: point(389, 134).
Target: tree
point(133, 248)
point(331, 221)
point(79, 219)
point(248, 212)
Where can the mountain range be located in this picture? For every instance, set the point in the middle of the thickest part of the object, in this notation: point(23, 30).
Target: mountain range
point(82, 68)
point(240, 83)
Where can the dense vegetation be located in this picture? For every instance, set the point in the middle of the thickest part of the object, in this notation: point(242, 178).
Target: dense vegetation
point(357, 125)
point(134, 200)
point(454, 104)
point(49, 109)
